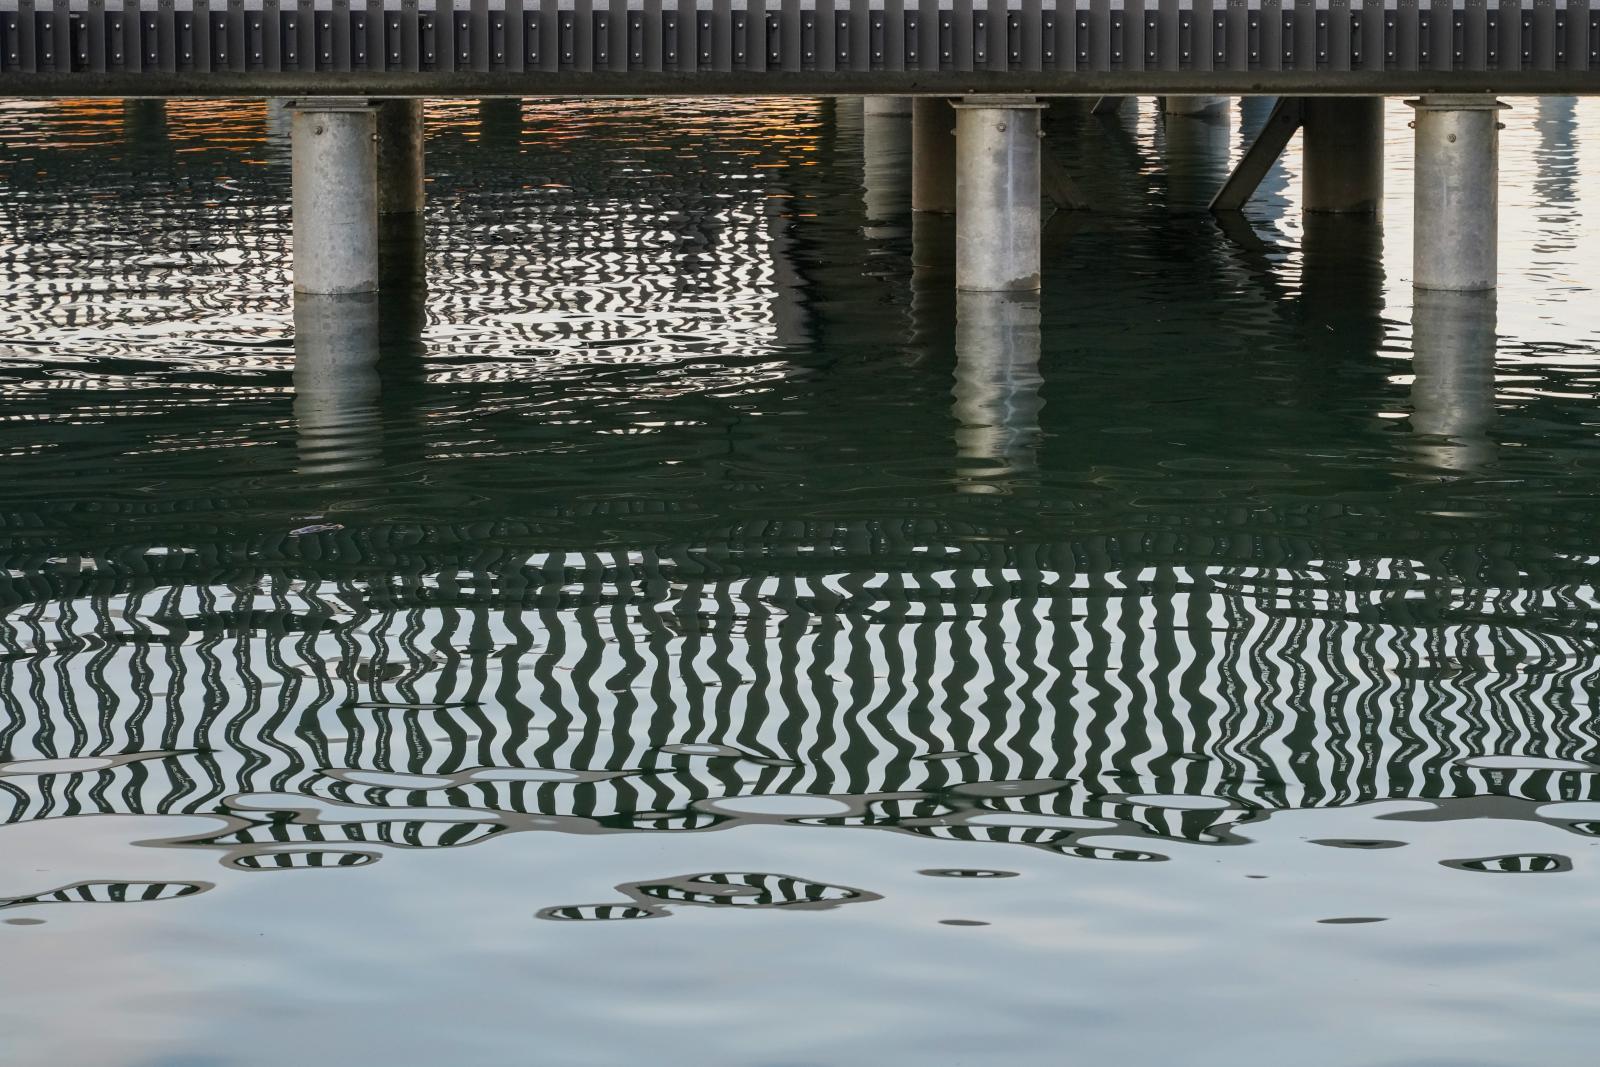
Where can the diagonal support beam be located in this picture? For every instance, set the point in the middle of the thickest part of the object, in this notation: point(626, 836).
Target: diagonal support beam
point(1286, 118)
point(1107, 105)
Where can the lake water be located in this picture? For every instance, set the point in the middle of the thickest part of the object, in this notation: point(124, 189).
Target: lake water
point(669, 625)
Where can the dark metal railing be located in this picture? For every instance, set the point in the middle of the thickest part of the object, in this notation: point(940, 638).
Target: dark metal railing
point(1060, 45)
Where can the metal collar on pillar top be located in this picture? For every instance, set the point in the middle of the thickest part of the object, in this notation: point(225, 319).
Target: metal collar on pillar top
point(331, 103)
point(1460, 102)
point(999, 101)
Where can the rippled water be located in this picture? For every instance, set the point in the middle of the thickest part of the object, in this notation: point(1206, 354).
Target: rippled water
point(1196, 664)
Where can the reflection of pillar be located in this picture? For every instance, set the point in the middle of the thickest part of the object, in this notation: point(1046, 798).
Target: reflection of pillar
point(933, 264)
point(1195, 152)
point(403, 281)
point(1457, 214)
point(933, 155)
point(1556, 155)
point(335, 175)
point(998, 210)
point(1341, 282)
point(144, 121)
point(997, 386)
point(1452, 391)
point(401, 165)
point(336, 384)
point(791, 317)
point(886, 155)
point(500, 122)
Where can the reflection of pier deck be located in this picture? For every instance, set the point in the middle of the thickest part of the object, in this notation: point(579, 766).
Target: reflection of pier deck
point(953, 691)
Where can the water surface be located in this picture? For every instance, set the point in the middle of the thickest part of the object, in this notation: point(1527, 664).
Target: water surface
point(1195, 664)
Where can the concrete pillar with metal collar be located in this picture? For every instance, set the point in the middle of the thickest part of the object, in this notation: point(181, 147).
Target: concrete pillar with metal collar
point(933, 155)
point(1343, 140)
point(998, 210)
point(1457, 212)
point(335, 174)
point(400, 157)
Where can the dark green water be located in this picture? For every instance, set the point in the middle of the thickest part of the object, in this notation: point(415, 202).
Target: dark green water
point(1194, 664)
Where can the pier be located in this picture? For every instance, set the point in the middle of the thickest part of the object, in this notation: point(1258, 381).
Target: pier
point(962, 82)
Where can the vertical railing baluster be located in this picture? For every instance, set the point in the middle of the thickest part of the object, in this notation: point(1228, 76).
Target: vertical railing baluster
point(1578, 57)
point(1133, 30)
point(1099, 35)
point(1238, 48)
point(1544, 34)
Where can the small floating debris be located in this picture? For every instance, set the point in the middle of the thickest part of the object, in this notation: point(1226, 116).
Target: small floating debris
point(316, 528)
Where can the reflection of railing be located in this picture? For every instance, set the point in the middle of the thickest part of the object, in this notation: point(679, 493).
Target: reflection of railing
point(594, 692)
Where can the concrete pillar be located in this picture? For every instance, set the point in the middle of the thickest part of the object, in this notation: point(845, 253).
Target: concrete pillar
point(336, 383)
point(997, 193)
point(1196, 106)
point(1452, 388)
point(1457, 213)
point(1343, 140)
point(885, 105)
point(886, 156)
point(1194, 151)
point(933, 155)
point(997, 388)
point(400, 157)
point(335, 197)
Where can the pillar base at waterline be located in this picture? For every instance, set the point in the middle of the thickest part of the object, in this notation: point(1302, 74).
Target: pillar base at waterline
point(998, 211)
point(335, 175)
point(1457, 210)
